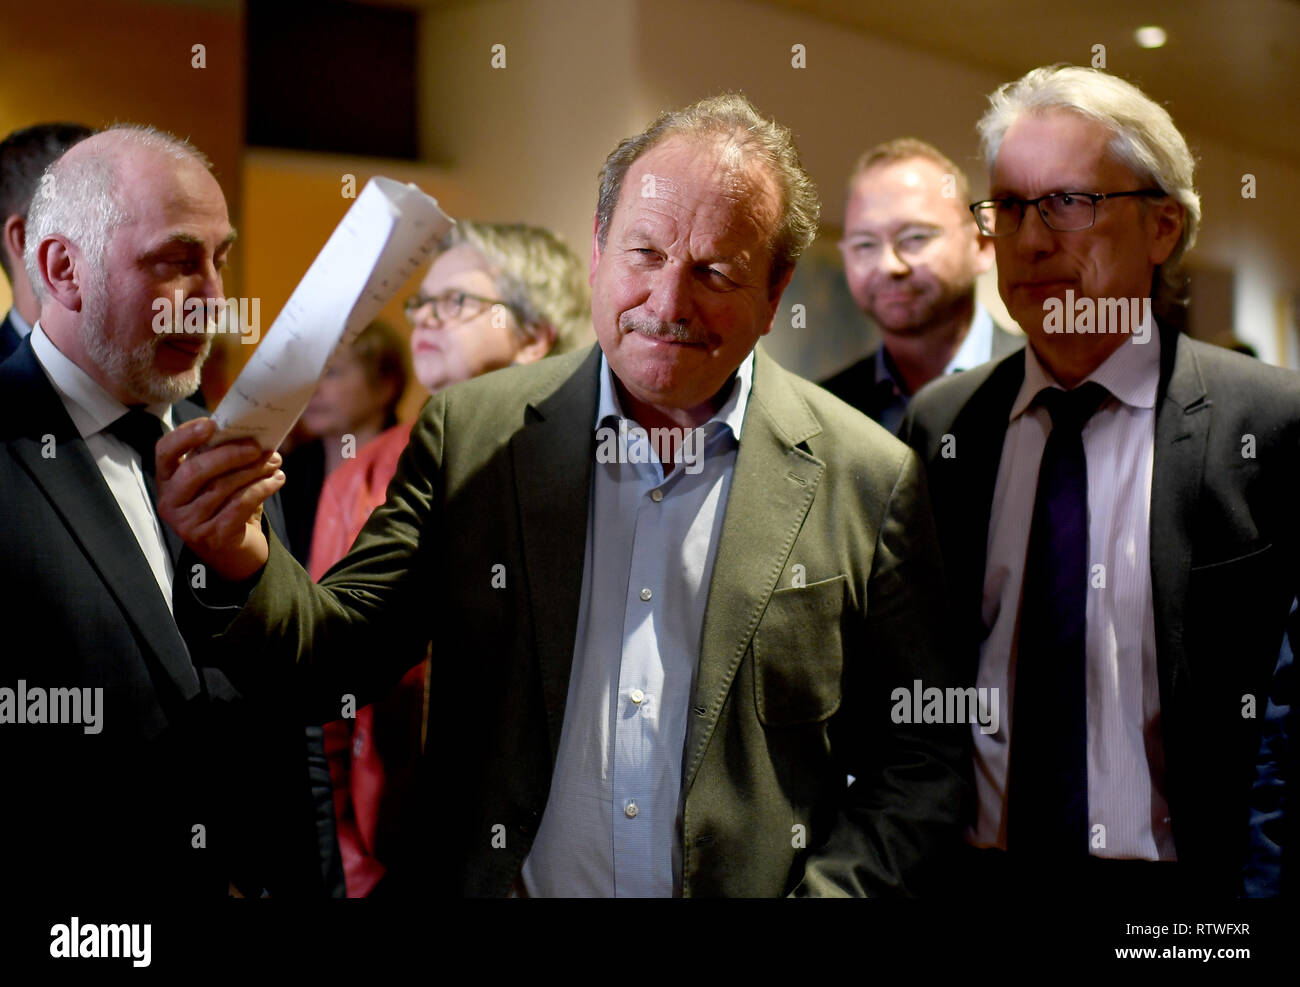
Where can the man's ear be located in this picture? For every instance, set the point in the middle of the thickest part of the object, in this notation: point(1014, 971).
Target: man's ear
point(15, 238)
point(60, 266)
point(1165, 221)
point(542, 338)
point(595, 249)
point(774, 296)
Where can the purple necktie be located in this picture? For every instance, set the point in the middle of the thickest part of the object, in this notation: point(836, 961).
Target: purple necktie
point(1047, 797)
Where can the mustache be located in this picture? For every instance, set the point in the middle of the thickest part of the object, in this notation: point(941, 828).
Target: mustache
point(663, 330)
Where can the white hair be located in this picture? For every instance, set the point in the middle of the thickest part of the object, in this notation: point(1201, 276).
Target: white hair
point(78, 198)
point(1144, 139)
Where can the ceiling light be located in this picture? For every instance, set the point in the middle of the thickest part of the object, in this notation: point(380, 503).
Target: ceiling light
point(1150, 36)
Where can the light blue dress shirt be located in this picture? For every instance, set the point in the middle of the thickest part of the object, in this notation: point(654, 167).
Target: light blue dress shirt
point(975, 349)
point(612, 823)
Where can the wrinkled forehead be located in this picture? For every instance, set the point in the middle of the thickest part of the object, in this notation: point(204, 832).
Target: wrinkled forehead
point(708, 177)
point(713, 162)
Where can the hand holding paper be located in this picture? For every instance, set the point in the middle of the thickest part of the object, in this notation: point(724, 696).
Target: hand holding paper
point(211, 488)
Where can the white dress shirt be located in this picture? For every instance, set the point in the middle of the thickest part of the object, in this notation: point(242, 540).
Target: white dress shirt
point(1125, 749)
point(977, 347)
point(92, 409)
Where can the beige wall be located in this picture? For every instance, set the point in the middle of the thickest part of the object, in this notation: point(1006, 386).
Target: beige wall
point(527, 140)
point(1258, 239)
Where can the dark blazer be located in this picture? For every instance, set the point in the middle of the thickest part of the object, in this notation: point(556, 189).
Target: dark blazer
point(9, 338)
point(113, 814)
point(858, 386)
point(1224, 559)
point(826, 595)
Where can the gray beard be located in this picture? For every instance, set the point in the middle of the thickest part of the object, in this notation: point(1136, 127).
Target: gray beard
point(132, 370)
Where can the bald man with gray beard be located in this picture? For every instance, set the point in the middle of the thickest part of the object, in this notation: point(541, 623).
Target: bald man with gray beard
point(131, 773)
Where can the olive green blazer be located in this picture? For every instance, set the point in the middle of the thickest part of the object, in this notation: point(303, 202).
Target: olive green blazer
point(826, 595)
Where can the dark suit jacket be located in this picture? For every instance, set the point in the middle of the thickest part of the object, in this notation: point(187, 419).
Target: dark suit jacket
point(1224, 554)
point(112, 814)
point(858, 386)
point(9, 338)
point(826, 595)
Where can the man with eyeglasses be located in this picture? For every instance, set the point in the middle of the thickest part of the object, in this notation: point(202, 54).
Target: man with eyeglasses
point(911, 256)
point(1118, 513)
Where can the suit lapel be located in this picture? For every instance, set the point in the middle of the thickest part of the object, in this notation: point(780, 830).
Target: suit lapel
point(9, 338)
point(77, 493)
point(552, 458)
point(962, 486)
point(1183, 412)
point(1004, 342)
point(772, 488)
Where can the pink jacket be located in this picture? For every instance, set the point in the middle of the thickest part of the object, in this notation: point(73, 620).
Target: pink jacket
point(372, 758)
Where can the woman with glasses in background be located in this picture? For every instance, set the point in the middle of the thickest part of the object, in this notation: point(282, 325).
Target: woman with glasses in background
point(495, 295)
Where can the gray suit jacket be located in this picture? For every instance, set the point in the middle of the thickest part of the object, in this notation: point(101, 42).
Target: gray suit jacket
point(1225, 558)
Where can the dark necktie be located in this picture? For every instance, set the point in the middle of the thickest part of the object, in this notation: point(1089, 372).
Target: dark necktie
point(141, 431)
point(1047, 796)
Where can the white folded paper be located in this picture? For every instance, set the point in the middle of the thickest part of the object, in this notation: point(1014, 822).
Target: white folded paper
point(386, 236)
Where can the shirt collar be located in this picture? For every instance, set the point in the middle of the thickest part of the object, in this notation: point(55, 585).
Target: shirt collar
point(975, 349)
point(885, 370)
point(1131, 373)
point(731, 414)
point(91, 408)
point(19, 323)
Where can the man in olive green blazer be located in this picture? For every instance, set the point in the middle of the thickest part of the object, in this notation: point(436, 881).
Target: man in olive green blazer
point(826, 596)
point(824, 591)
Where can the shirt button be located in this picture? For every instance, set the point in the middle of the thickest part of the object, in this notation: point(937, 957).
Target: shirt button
point(646, 594)
point(630, 810)
point(637, 696)
point(656, 495)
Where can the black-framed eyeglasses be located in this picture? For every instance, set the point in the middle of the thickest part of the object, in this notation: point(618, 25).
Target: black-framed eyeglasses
point(1064, 212)
point(451, 306)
